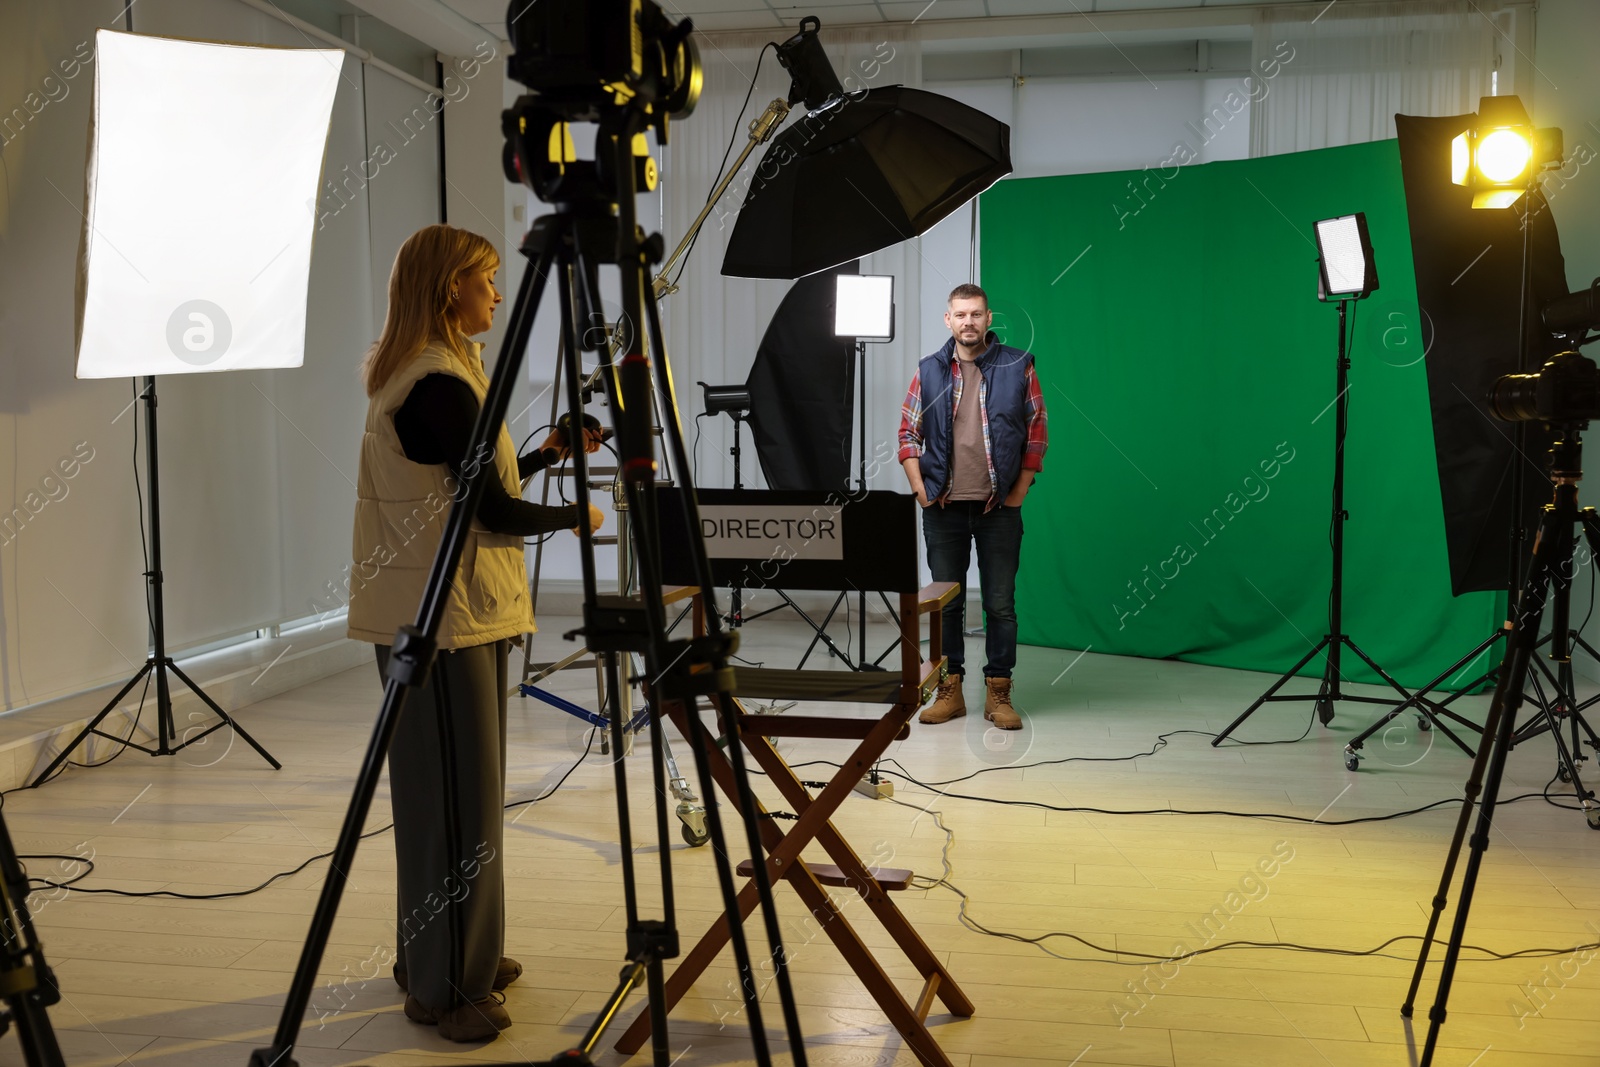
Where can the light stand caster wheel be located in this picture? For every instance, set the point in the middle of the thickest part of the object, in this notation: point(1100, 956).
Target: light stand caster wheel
point(1593, 817)
point(695, 840)
point(1563, 774)
point(1352, 761)
point(1424, 723)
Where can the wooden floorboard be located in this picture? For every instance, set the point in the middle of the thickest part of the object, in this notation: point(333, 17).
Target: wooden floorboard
point(173, 982)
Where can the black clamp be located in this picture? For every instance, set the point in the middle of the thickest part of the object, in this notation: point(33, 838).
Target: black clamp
point(411, 657)
point(699, 667)
point(652, 939)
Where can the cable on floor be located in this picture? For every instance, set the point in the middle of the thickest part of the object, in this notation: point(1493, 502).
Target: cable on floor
point(37, 882)
point(1142, 959)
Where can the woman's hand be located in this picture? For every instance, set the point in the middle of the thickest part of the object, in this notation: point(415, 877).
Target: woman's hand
point(596, 519)
point(558, 441)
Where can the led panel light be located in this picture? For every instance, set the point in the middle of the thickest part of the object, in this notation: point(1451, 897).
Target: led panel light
point(864, 307)
point(1345, 259)
point(203, 174)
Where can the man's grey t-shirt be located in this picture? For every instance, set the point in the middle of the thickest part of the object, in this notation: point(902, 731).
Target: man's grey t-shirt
point(969, 467)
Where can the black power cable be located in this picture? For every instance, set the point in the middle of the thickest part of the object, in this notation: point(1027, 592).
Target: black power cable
point(37, 882)
point(1142, 959)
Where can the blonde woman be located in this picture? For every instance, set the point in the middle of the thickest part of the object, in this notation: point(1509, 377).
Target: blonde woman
point(426, 383)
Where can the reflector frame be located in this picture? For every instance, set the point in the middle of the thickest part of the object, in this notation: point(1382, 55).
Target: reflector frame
point(200, 206)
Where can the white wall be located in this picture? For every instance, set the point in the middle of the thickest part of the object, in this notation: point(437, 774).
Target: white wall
point(257, 468)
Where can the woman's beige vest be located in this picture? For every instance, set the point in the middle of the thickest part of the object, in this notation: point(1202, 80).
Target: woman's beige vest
point(401, 508)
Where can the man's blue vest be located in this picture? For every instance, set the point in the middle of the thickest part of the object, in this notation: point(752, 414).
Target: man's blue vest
point(1005, 384)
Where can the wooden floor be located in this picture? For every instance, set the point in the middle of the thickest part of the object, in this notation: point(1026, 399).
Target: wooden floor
point(172, 982)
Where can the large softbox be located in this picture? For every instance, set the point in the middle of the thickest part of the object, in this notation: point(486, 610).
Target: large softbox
point(1469, 269)
point(204, 162)
point(802, 390)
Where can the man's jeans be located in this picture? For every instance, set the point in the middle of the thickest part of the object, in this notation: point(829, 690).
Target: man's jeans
point(949, 532)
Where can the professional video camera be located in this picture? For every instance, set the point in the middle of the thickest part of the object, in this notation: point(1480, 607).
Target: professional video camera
point(587, 61)
point(1566, 389)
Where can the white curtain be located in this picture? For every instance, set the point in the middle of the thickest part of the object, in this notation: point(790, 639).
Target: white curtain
point(715, 324)
point(1339, 75)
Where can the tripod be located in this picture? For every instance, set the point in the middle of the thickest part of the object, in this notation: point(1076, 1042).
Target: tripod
point(27, 985)
point(1548, 574)
point(594, 222)
point(1335, 640)
point(158, 664)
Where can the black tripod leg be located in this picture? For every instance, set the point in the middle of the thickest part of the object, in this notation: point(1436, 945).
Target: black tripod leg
point(630, 387)
point(1279, 684)
point(1552, 542)
point(747, 799)
point(656, 976)
point(1567, 759)
point(1502, 717)
point(27, 982)
point(94, 724)
point(224, 716)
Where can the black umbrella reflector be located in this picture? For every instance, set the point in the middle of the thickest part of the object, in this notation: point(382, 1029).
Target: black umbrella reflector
point(864, 172)
point(1469, 271)
point(802, 390)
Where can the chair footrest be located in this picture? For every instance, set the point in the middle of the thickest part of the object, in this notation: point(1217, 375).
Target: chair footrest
point(835, 727)
point(865, 687)
point(891, 878)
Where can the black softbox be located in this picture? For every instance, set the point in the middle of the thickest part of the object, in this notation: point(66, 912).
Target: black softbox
point(802, 390)
point(1469, 269)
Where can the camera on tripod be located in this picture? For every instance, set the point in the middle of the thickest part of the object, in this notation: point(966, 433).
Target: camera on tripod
point(1566, 389)
point(588, 61)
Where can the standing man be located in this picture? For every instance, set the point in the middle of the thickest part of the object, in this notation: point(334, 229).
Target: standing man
point(972, 437)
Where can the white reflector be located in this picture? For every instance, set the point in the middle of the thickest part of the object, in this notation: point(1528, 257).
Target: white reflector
point(864, 307)
point(204, 163)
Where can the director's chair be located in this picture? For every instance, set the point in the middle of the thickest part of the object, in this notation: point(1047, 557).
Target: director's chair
point(879, 552)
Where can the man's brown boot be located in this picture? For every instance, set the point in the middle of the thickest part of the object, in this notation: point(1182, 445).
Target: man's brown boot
point(948, 703)
point(997, 704)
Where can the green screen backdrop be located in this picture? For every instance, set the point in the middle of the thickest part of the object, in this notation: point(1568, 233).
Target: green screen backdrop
point(1188, 369)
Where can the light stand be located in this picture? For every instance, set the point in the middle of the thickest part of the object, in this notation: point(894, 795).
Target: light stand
point(1346, 273)
point(863, 312)
point(1480, 162)
point(158, 663)
point(733, 401)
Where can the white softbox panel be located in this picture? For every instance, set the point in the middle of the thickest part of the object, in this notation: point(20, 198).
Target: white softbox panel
point(204, 162)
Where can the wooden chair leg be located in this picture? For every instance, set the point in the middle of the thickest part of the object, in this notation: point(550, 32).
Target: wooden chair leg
point(861, 879)
point(784, 860)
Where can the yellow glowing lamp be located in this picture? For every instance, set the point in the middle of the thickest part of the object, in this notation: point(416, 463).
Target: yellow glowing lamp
point(1499, 159)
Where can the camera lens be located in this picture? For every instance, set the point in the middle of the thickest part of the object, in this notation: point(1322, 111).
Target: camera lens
point(1514, 398)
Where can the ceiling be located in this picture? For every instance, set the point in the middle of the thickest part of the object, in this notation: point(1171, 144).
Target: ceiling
point(779, 14)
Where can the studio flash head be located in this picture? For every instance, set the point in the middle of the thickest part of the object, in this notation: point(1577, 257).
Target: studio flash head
point(1565, 390)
